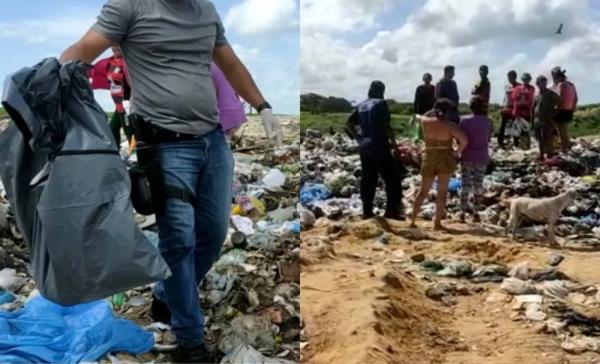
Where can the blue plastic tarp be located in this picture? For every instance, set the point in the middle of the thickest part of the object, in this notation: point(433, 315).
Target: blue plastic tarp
point(44, 332)
point(454, 185)
point(314, 192)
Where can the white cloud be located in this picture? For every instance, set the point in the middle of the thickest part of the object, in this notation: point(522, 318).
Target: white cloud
point(340, 15)
point(46, 30)
point(246, 54)
point(252, 17)
point(507, 34)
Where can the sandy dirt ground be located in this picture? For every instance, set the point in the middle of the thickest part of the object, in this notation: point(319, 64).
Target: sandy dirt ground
point(363, 303)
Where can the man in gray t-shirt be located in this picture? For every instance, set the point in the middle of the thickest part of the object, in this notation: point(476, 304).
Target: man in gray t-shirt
point(168, 46)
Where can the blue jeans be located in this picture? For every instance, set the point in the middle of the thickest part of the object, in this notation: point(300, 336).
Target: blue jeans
point(191, 237)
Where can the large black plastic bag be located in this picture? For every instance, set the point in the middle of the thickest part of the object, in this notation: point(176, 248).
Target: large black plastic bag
point(69, 188)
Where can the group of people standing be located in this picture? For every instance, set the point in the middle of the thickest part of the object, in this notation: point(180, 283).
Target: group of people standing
point(450, 140)
point(549, 109)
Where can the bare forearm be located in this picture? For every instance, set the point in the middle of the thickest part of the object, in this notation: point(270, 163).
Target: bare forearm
point(87, 49)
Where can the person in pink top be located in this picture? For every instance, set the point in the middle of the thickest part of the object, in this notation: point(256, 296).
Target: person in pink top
point(568, 103)
point(231, 110)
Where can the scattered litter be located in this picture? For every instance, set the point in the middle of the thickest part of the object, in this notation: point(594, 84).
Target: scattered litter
point(555, 259)
point(246, 354)
point(10, 280)
point(517, 286)
point(274, 179)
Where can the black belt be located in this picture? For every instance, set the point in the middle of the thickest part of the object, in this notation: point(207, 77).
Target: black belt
point(151, 133)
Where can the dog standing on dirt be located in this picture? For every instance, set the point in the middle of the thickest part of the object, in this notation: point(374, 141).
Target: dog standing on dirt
point(541, 210)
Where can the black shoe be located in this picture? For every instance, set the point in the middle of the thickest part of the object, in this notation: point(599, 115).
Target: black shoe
point(159, 311)
point(196, 354)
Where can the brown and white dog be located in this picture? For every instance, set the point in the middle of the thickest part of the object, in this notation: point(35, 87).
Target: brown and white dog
point(546, 210)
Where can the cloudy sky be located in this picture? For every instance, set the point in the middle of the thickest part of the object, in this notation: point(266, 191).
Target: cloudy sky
point(347, 43)
point(263, 32)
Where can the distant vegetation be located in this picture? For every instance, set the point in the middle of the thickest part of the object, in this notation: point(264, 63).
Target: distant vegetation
point(330, 113)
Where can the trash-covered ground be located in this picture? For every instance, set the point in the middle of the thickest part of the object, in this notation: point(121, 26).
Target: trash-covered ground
point(377, 291)
point(251, 297)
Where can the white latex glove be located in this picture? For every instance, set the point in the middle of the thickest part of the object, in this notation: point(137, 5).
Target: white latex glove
point(127, 107)
point(272, 126)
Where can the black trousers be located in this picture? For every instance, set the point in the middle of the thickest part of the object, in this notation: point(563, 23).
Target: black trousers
point(375, 165)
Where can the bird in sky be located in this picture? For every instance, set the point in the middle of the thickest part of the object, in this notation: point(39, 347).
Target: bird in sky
point(559, 31)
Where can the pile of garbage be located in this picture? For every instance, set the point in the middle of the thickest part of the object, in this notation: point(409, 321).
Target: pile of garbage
point(546, 297)
point(331, 178)
point(251, 297)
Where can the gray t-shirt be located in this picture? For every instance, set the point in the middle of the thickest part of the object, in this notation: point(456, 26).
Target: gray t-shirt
point(168, 47)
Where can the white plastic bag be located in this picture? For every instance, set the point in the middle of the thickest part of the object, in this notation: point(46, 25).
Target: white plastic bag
point(274, 179)
point(512, 130)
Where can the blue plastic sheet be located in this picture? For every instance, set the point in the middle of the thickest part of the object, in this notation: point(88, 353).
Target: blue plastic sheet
point(6, 297)
point(314, 192)
point(44, 332)
point(454, 185)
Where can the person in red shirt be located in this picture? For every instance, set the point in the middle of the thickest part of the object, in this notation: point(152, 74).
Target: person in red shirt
point(507, 107)
point(568, 104)
point(110, 73)
point(523, 96)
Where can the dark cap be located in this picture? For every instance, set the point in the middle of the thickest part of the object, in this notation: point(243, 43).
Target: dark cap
point(526, 76)
point(449, 68)
point(541, 78)
point(483, 67)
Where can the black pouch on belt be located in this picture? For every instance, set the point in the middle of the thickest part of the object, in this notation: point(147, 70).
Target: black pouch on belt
point(149, 192)
point(147, 183)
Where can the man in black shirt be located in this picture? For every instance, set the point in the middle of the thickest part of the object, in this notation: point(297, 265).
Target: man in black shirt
point(424, 96)
point(376, 141)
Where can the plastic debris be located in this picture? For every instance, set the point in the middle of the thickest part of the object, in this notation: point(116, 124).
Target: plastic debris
point(243, 224)
point(555, 259)
point(314, 192)
point(517, 286)
point(246, 354)
point(72, 334)
point(10, 280)
point(274, 179)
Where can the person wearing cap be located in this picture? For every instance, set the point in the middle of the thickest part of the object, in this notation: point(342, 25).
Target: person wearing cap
point(424, 96)
point(483, 87)
point(568, 103)
point(376, 142)
point(544, 109)
point(446, 89)
point(522, 96)
point(506, 111)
